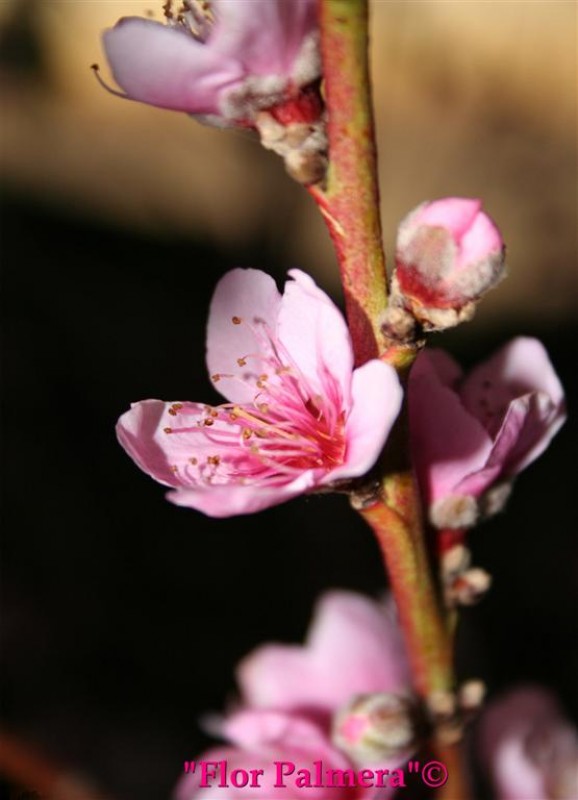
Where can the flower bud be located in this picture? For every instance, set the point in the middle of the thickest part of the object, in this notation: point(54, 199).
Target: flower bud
point(374, 727)
point(449, 253)
point(463, 585)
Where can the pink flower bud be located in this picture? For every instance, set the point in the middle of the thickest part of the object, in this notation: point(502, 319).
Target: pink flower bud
point(374, 727)
point(449, 253)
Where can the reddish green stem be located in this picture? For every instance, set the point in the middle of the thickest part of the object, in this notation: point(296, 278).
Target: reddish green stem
point(349, 202)
point(395, 520)
point(350, 199)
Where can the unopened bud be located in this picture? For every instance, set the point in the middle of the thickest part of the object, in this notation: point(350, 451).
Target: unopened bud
point(455, 511)
point(375, 727)
point(470, 587)
point(444, 717)
point(471, 695)
point(297, 134)
point(463, 585)
point(449, 253)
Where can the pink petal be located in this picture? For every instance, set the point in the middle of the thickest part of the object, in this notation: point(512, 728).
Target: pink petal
point(447, 442)
point(314, 332)
point(541, 424)
point(167, 67)
point(528, 747)
point(139, 431)
point(519, 370)
point(143, 431)
point(481, 240)
point(376, 400)
point(280, 677)
point(505, 443)
point(364, 637)
point(446, 369)
point(472, 230)
point(348, 630)
point(253, 729)
point(456, 214)
point(252, 297)
point(266, 35)
point(230, 499)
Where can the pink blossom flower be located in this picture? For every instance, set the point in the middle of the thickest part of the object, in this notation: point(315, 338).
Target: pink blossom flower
point(529, 749)
point(296, 700)
point(298, 416)
point(449, 253)
point(221, 59)
point(475, 433)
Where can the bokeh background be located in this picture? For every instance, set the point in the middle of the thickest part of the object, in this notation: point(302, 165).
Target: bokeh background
point(123, 616)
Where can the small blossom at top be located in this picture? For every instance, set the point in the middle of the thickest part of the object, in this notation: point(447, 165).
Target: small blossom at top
point(449, 253)
point(254, 63)
point(529, 750)
point(471, 435)
point(222, 58)
point(298, 416)
point(343, 699)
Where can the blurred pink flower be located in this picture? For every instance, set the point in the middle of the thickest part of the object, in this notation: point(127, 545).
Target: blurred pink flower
point(529, 749)
point(473, 434)
point(299, 417)
point(295, 702)
point(221, 59)
point(449, 253)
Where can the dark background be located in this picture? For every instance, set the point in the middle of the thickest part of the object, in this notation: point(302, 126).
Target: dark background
point(123, 616)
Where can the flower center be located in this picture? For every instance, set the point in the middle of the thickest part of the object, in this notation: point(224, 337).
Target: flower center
point(195, 17)
point(286, 429)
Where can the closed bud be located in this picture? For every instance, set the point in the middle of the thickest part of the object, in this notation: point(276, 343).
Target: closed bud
point(463, 585)
point(449, 253)
point(375, 727)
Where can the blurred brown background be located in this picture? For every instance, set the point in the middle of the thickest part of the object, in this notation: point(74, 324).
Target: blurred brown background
point(472, 98)
point(123, 616)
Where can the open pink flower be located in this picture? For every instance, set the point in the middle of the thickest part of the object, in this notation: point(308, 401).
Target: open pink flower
point(298, 415)
point(529, 749)
point(222, 59)
point(470, 433)
point(295, 705)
